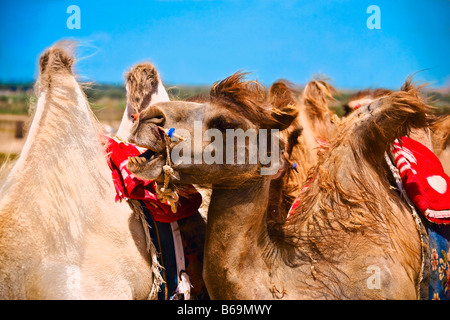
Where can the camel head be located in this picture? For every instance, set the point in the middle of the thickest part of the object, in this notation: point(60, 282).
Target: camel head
point(230, 137)
point(364, 97)
point(373, 126)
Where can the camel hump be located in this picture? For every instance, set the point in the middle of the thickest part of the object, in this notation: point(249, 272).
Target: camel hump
point(142, 71)
point(316, 97)
point(142, 81)
point(56, 59)
point(282, 95)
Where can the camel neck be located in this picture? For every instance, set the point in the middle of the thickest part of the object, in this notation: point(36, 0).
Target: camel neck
point(236, 232)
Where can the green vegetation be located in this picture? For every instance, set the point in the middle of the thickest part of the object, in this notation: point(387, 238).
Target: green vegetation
point(7, 157)
point(109, 101)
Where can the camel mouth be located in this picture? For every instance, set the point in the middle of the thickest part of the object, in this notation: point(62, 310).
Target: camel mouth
point(144, 157)
point(147, 165)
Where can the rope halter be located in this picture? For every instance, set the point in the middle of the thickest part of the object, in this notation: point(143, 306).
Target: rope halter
point(165, 194)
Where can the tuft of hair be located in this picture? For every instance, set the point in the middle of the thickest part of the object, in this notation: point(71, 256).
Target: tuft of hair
point(141, 82)
point(413, 88)
point(440, 132)
point(283, 101)
point(245, 97)
point(316, 97)
point(58, 58)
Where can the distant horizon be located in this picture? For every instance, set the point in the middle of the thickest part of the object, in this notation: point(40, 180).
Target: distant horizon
point(195, 43)
point(168, 85)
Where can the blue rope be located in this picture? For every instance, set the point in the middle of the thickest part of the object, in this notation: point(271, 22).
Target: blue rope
point(170, 132)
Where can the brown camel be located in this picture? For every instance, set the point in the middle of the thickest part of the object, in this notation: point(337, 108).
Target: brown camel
point(62, 235)
point(352, 236)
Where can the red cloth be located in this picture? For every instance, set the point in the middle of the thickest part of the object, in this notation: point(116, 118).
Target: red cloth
point(296, 202)
point(130, 187)
point(424, 179)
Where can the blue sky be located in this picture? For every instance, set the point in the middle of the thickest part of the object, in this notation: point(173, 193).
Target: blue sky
point(199, 42)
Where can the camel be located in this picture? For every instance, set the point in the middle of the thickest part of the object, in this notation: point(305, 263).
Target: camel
point(62, 235)
point(352, 236)
point(313, 123)
point(144, 87)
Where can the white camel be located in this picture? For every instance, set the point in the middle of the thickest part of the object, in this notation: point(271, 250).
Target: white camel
point(62, 235)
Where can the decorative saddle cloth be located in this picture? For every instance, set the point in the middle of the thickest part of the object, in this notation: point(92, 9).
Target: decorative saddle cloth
point(423, 178)
point(428, 187)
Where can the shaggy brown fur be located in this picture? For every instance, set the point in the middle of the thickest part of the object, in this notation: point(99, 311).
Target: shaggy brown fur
point(284, 189)
point(440, 137)
point(249, 99)
point(350, 194)
point(314, 121)
point(435, 137)
point(316, 97)
point(441, 129)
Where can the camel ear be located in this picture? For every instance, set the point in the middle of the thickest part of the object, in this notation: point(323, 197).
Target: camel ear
point(142, 81)
point(284, 105)
point(316, 97)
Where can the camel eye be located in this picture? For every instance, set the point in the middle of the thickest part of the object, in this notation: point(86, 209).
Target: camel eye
point(223, 123)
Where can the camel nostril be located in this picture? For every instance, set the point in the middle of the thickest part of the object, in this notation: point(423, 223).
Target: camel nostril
point(159, 120)
point(153, 115)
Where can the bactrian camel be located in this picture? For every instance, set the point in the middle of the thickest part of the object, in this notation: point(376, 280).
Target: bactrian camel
point(62, 235)
point(349, 225)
